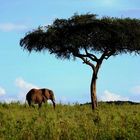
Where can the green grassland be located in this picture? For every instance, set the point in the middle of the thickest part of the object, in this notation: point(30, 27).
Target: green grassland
point(69, 122)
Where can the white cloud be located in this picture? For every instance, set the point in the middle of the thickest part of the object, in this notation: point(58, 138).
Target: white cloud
point(2, 91)
point(24, 87)
point(109, 96)
point(7, 27)
point(136, 90)
point(5, 97)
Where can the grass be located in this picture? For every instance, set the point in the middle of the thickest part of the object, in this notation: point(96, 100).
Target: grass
point(70, 122)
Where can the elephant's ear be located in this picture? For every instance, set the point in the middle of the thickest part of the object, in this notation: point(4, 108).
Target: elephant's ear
point(51, 95)
point(44, 98)
point(43, 93)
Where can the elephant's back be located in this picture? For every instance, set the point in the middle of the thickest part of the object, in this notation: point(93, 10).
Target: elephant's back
point(32, 94)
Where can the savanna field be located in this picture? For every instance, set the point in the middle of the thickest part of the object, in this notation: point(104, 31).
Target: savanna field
point(69, 122)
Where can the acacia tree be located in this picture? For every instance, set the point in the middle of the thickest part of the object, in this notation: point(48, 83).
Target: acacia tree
point(86, 37)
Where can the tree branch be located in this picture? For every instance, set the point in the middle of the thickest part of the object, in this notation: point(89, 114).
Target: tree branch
point(91, 56)
point(110, 53)
point(106, 54)
point(86, 61)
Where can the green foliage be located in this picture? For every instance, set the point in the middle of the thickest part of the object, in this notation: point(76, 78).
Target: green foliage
point(69, 122)
point(68, 38)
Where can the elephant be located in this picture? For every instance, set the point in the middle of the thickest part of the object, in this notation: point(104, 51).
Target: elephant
point(39, 96)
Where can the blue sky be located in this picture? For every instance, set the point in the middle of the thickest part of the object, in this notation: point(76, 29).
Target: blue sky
point(119, 77)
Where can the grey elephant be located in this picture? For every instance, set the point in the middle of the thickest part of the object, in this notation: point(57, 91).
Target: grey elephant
point(39, 96)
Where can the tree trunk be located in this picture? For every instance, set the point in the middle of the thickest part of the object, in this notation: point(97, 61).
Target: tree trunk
point(93, 91)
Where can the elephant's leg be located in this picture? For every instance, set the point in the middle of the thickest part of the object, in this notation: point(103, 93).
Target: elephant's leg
point(29, 103)
point(39, 105)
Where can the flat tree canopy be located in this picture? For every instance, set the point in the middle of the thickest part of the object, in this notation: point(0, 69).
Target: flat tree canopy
point(84, 36)
point(85, 31)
